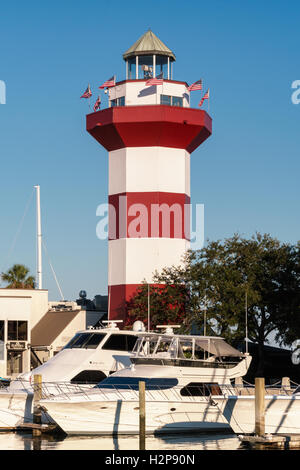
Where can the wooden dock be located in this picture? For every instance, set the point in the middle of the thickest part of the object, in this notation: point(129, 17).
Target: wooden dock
point(272, 441)
point(41, 428)
point(260, 440)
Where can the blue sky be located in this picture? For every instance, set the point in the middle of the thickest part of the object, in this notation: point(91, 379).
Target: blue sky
point(246, 174)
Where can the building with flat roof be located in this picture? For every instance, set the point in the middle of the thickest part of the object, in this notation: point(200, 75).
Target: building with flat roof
point(33, 329)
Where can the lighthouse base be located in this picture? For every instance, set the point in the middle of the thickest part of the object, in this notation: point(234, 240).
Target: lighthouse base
point(121, 296)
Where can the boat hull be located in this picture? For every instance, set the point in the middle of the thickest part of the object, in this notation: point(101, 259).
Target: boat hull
point(122, 417)
point(15, 409)
point(282, 413)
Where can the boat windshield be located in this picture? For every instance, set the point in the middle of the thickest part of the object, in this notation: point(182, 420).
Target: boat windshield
point(85, 341)
point(183, 347)
point(132, 383)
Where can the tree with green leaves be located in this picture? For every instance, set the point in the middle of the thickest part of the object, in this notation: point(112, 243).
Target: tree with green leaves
point(165, 302)
point(224, 278)
point(17, 278)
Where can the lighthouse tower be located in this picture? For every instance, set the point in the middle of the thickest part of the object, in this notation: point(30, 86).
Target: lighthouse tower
point(150, 132)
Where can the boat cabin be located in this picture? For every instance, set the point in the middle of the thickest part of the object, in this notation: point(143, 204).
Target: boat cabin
point(188, 351)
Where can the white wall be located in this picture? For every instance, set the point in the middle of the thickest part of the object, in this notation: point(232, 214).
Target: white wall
point(149, 254)
point(147, 169)
point(38, 304)
point(137, 93)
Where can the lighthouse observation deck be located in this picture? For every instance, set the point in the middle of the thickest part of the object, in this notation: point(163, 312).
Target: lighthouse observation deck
point(150, 125)
point(136, 92)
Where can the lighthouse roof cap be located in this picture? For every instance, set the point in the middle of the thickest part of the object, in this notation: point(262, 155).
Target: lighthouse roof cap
point(148, 43)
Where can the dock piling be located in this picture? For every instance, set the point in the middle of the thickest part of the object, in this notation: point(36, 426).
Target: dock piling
point(37, 395)
point(142, 416)
point(260, 406)
point(286, 384)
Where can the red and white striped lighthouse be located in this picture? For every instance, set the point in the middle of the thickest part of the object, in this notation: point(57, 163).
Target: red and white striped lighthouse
point(149, 132)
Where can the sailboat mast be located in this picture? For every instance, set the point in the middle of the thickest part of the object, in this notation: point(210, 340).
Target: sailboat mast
point(39, 238)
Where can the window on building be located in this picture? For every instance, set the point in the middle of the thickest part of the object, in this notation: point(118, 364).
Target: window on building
point(14, 363)
point(118, 101)
point(17, 330)
point(2, 340)
point(120, 343)
point(171, 100)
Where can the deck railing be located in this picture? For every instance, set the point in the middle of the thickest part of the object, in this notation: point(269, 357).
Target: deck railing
point(129, 391)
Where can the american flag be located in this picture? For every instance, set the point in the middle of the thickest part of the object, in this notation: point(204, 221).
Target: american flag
point(155, 81)
point(195, 86)
point(87, 93)
point(204, 97)
point(109, 83)
point(97, 104)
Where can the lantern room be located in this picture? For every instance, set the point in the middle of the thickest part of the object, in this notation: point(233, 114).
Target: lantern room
point(148, 58)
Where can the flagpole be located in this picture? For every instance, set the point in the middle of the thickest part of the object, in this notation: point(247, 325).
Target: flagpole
point(148, 308)
point(246, 319)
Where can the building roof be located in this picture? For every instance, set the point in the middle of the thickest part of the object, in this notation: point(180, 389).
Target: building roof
point(50, 326)
point(149, 43)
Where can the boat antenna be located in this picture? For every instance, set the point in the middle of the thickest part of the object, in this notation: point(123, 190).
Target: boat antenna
point(39, 237)
point(246, 320)
point(204, 319)
point(148, 322)
point(108, 307)
point(205, 312)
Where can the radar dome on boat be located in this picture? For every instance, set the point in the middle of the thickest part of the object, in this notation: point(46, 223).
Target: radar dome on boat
point(138, 326)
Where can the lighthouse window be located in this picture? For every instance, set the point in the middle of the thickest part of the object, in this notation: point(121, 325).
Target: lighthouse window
point(177, 101)
point(165, 99)
point(145, 66)
point(171, 100)
point(132, 68)
point(162, 66)
point(118, 101)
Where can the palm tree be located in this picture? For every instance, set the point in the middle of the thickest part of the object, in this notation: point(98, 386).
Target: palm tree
point(17, 278)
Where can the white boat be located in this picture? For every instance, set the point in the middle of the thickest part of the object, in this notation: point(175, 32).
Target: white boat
point(282, 411)
point(180, 373)
point(89, 357)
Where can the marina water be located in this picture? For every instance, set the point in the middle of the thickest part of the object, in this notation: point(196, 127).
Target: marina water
point(193, 442)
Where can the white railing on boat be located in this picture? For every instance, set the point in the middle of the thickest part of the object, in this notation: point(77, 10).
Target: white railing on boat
point(129, 391)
